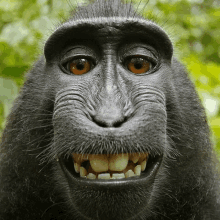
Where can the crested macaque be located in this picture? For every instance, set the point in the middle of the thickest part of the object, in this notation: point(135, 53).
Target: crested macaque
point(108, 126)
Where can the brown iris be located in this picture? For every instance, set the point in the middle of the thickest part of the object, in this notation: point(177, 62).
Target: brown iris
point(138, 65)
point(80, 66)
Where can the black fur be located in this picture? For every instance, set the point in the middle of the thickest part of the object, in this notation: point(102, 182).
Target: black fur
point(53, 116)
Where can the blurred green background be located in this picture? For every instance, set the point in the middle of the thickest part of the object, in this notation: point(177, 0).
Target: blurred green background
point(193, 25)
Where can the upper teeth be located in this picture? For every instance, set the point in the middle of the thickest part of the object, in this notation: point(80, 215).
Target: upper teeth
point(114, 166)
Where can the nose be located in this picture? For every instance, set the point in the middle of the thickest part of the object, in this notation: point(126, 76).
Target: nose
point(109, 116)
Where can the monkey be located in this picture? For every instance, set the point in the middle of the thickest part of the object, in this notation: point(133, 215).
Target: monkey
point(108, 126)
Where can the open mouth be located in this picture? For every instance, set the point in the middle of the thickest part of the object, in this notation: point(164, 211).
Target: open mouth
point(111, 166)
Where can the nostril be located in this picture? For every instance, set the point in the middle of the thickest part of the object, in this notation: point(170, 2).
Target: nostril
point(108, 122)
point(118, 123)
point(100, 123)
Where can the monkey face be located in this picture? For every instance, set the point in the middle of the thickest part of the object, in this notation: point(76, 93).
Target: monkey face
point(109, 114)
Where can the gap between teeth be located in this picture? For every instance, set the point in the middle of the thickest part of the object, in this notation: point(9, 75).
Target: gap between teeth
point(113, 166)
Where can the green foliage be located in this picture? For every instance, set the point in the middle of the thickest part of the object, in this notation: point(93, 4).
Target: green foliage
point(192, 24)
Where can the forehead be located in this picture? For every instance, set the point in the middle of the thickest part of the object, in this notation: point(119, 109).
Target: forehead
point(110, 25)
point(107, 29)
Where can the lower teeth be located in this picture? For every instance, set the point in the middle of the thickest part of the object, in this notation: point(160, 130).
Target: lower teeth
point(108, 176)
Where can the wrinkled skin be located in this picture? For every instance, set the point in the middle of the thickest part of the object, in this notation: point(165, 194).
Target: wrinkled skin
point(107, 110)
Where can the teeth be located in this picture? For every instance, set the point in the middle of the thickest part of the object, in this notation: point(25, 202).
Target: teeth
point(129, 173)
point(143, 157)
point(137, 170)
point(134, 157)
point(118, 162)
point(105, 176)
point(99, 163)
point(118, 176)
point(103, 166)
point(130, 166)
point(78, 158)
point(91, 176)
point(83, 172)
point(77, 167)
point(143, 165)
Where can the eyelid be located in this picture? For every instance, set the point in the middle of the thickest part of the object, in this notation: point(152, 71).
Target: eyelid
point(150, 59)
point(142, 50)
point(72, 58)
point(78, 51)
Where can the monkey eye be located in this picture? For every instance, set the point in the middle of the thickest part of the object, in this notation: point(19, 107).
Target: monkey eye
point(79, 66)
point(139, 65)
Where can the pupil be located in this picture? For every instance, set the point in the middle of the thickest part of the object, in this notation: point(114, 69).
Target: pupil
point(138, 65)
point(80, 65)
